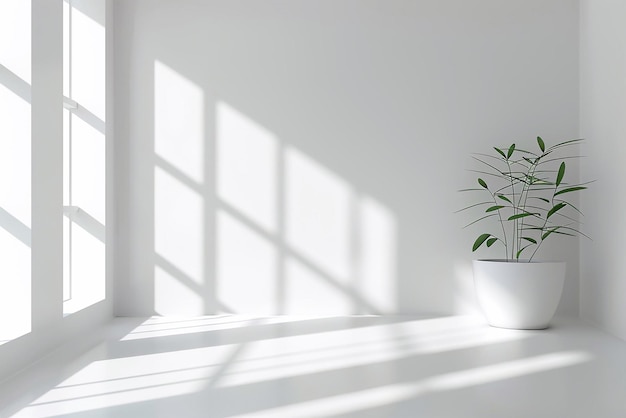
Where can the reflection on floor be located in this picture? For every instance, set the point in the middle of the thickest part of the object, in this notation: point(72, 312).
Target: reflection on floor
point(234, 366)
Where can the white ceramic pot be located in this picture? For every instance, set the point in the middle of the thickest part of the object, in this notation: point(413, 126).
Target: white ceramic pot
point(519, 295)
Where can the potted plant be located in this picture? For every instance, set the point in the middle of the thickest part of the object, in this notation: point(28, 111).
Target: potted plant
point(525, 192)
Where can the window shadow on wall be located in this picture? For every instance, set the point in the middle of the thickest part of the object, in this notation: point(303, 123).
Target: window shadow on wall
point(269, 166)
point(246, 222)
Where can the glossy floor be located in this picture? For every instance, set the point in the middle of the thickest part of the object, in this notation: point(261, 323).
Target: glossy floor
point(288, 367)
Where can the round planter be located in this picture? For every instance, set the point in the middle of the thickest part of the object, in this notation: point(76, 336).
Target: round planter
point(518, 295)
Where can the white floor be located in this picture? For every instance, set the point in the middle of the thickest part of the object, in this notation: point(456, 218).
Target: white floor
point(233, 366)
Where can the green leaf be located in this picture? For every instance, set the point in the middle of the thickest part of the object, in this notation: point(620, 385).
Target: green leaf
point(472, 206)
point(500, 152)
point(530, 239)
point(564, 233)
point(497, 207)
point(469, 190)
point(532, 228)
point(574, 230)
point(520, 251)
point(555, 208)
point(479, 241)
point(491, 241)
point(496, 170)
point(482, 183)
point(542, 146)
point(510, 152)
point(478, 220)
point(546, 234)
point(520, 215)
point(498, 175)
point(525, 151)
point(559, 176)
point(506, 199)
point(570, 189)
point(529, 206)
point(560, 144)
point(570, 205)
point(532, 180)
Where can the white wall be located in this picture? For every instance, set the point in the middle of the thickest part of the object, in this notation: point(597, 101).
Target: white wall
point(603, 123)
point(49, 326)
point(304, 157)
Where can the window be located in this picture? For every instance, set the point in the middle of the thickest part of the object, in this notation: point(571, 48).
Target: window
point(15, 169)
point(84, 182)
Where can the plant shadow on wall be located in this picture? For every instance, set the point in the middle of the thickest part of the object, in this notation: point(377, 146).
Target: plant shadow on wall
point(244, 222)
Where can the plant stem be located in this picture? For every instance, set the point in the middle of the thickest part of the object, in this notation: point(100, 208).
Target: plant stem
point(544, 224)
point(506, 246)
point(514, 208)
point(530, 173)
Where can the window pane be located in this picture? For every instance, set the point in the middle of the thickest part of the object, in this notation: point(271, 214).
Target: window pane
point(15, 169)
point(84, 154)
